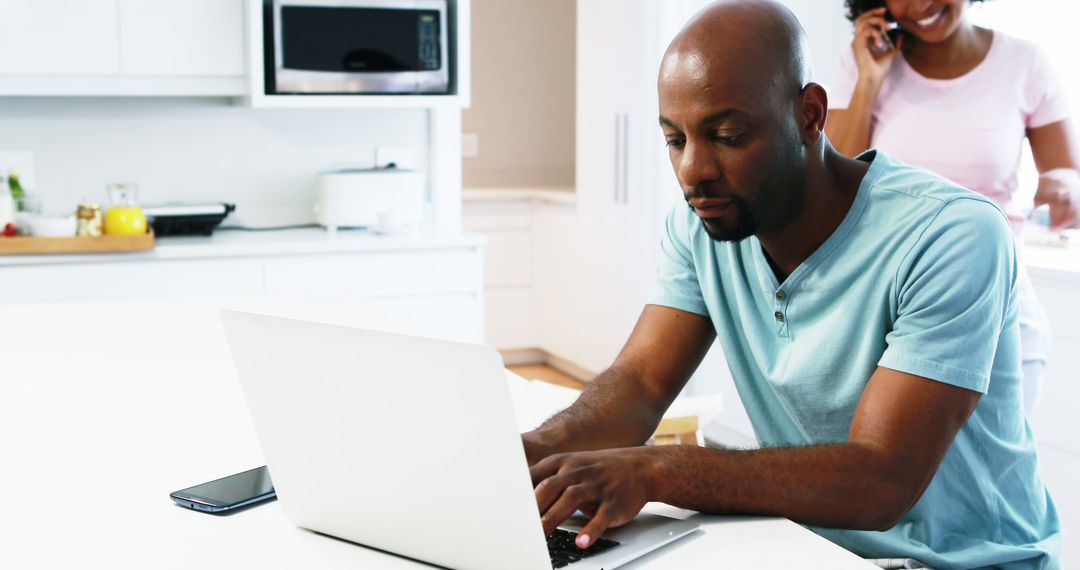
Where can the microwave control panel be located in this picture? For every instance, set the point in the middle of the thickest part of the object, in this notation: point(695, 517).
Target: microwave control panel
point(429, 41)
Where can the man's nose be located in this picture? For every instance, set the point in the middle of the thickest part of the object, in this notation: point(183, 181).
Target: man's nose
point(696, 165)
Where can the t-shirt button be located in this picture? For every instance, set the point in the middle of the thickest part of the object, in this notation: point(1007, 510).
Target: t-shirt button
point(780, 295)
point(779, 316)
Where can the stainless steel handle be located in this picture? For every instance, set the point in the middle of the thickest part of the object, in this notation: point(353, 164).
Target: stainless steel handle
point(617, 180)
point(622, 158)
point(626, 159)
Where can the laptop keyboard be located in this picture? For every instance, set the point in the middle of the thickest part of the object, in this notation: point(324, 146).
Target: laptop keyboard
point(563, 551)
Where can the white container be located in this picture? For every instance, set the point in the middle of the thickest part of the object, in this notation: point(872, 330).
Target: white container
point(44, 226)
point(357, 198)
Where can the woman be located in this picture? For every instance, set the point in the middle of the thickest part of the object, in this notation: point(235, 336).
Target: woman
point(958, 99)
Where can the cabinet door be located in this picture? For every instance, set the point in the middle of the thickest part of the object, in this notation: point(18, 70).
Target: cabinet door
point(193, 37)
point(58, 37)
point(610, 37)
point(423, 292)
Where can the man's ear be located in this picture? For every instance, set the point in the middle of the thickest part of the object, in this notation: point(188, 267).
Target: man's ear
point(813, 110)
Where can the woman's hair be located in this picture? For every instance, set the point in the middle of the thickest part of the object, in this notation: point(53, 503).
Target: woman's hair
point(855, 8)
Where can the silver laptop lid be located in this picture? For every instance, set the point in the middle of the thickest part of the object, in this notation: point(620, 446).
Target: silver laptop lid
point(404, 444)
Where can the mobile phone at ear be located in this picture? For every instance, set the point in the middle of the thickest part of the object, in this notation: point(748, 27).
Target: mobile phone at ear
point(890, 34)
point(228, 493)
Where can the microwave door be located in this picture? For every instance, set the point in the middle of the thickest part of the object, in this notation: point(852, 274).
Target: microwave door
point(360, 46)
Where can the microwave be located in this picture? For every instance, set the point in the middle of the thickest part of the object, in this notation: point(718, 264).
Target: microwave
point(356, 47)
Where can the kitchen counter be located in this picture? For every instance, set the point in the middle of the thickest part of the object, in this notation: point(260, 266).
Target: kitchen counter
point(244, 243)
point(1054, 263)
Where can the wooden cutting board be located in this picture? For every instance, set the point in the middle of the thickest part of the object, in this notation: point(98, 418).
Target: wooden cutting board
point(61, 245)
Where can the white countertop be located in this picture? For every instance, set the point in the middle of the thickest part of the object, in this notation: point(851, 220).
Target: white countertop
point(247, 243)
point(107, 408)
point(1057, 263)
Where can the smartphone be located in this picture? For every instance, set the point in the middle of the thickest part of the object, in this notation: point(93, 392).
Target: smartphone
point(228, 493)
point(890, 33)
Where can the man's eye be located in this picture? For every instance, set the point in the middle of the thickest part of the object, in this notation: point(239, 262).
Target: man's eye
point(676, 142)
point(728, 139)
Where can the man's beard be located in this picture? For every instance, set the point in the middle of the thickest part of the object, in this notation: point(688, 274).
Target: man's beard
point(781, 198)
point(744, 226)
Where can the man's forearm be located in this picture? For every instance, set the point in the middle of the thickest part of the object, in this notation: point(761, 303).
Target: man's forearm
point(838, 486)
point(613, 411)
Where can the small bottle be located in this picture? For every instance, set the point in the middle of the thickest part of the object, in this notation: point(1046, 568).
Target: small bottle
point(89, 220)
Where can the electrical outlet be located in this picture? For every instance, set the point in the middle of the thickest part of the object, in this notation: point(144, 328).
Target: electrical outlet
point(470, 145)
point(22, 162)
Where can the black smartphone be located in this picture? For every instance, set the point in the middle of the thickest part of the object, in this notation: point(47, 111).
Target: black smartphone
point(228, 493)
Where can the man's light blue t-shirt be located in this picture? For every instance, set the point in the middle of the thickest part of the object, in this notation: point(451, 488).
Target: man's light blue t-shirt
point(919, 277)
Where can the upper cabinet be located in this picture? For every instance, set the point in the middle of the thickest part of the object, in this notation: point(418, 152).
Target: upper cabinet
point(59, 37)
point(189, 38)
point(181, 48)
point(122, 47)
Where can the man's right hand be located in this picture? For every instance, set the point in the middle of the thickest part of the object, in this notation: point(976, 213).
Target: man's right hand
point(873, 64)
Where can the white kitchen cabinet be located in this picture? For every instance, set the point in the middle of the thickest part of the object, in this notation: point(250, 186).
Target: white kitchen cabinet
point(122, 47)
point(427, 285)
point(624, 181)
point(58, 37)
point(189, 38)
point(75, 282)
point(1054, 420)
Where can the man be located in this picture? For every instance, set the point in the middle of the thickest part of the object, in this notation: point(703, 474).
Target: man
point(867, 311)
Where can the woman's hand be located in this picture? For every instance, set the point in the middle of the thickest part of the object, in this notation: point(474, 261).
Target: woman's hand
point(1060, 189)
point(870, 45)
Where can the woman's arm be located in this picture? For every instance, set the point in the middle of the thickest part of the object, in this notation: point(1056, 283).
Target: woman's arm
point(1056, 152)
point(849, 129)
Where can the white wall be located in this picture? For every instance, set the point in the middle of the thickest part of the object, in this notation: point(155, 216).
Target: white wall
point(196, 149)
point(523, 94)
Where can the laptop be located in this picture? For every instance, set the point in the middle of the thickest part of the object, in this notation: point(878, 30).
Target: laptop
point(407, 445)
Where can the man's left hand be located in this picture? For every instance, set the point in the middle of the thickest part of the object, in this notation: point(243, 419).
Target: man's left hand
point(609, 486)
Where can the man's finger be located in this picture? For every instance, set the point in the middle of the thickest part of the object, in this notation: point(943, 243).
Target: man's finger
point(549, 490)
point(568, 502)
point(545, 468)
point(595, 528)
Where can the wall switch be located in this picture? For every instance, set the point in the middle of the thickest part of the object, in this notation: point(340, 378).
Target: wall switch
point(399, 156)
point(21, 162)
point(470, 145)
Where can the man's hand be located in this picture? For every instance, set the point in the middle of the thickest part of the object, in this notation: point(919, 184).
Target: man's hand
point(609, 486)
point(535, 448)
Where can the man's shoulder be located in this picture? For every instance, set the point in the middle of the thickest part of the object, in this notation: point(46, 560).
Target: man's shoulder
point(920, 190)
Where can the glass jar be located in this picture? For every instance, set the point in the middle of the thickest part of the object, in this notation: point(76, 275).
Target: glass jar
point(89, 219)
point(124, 216)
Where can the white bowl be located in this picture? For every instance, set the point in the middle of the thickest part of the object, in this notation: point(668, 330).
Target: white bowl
point(42, 226)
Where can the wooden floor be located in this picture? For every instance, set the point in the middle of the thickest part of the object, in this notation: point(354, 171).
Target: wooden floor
point(547, 374)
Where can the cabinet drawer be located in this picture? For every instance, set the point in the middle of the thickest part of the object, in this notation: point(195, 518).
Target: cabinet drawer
point(391, 274)
point(149, 281)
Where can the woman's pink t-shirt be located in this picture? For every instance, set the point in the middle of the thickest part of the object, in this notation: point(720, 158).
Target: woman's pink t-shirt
point(970, 129)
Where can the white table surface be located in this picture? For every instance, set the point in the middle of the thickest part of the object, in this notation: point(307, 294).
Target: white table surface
point(105, 409)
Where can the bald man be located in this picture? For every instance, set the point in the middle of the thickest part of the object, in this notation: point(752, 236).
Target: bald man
point(867, 311)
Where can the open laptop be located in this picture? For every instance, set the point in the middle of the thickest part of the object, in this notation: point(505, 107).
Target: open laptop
point(406, 444)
